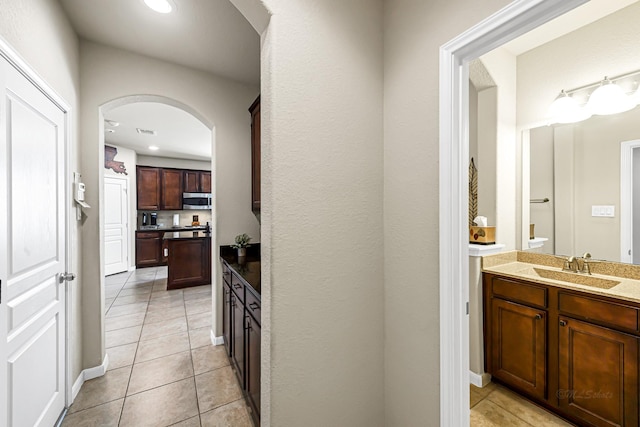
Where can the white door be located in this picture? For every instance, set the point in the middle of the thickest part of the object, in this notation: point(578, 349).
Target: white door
point(116, 214)
point(32, 254)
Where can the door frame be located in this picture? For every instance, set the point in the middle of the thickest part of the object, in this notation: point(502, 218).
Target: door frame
point(512, 21)
point(626, 199)
point(128, 216)
point(16, 60)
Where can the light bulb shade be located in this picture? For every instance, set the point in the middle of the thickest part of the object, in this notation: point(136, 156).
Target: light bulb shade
point(160, 6)
point(565, 109)
point(609, 98)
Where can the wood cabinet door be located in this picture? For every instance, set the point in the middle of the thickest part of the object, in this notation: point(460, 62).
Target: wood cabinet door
point(253, 365)
point(255, 154)
point(519, 353)
point(171, 189)
point(237, 337)
point(191, 182)
point(148, 188)
point(189, 263)
point(205, 182)
point(598, 374)
point(148, 251)
point(226, 317)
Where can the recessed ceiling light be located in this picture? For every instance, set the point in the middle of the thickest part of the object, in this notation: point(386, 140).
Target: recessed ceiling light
point(160, 6)
point(153, 148)
point(145, 131)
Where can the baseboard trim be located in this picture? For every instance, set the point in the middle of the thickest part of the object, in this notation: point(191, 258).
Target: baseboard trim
point(89, 374)
point(216, 340)
point(479, 380)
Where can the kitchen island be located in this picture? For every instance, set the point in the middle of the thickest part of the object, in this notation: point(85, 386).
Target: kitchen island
point(241, 324)
point(188, 256)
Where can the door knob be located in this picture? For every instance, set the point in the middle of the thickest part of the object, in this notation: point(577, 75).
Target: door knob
point(563, 323)
point(66, 277)
point(538, 316)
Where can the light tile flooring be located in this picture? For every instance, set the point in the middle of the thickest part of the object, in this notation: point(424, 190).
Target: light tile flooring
point(163, 369)
point(494, 405)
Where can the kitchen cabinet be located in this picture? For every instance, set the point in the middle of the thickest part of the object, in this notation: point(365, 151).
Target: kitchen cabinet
point(573, 352)
point(241, 328)
point(149, 249)
point(255, 154)
point(197, 181)
point(188, 259)
point(148, 187)
point(171, 189)
point(162, 188)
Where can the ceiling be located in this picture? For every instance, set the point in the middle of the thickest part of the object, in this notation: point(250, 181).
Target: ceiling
point(178, 133)
point(208, 35)
point(564, 24)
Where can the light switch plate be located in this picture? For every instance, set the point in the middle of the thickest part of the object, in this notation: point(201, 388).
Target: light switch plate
point(607, 211)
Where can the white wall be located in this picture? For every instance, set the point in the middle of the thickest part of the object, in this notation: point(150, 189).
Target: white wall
point(168, 162)
point(414, 30)
point(108, 74)
point(42, 35)
point(488, 156)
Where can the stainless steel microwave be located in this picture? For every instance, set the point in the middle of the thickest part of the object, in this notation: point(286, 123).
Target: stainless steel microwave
point(196, 201)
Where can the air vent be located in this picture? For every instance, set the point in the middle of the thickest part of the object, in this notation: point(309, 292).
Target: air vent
point(146, 131)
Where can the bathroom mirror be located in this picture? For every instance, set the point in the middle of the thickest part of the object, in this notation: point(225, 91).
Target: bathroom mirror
point(580, 169)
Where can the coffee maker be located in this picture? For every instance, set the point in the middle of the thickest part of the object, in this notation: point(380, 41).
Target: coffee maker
point(154, 218)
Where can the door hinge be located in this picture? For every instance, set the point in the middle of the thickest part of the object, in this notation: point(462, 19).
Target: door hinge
point(467, 308)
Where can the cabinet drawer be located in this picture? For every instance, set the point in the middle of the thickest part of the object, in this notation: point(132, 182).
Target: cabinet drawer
point(519, 292)
point(610, 313)
point(253, 306)
point(147, 234)
point(238, 287)
point(226, 274)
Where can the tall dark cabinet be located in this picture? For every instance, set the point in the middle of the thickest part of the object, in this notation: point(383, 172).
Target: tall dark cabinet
point(255, 154)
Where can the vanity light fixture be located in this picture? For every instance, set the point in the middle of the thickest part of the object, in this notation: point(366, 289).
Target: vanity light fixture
point(609, 98)
point(160, 6)
point(565, 109)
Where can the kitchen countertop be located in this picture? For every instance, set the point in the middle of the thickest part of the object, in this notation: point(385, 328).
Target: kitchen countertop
point(182, 235)
point(179, 228)
point(627, 289)
point(249, 271)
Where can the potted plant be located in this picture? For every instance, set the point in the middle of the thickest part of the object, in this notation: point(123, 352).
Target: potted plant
point(242, 241)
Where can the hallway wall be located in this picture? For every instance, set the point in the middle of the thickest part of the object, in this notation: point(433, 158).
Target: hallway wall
point(107, 74)
point(41, 33)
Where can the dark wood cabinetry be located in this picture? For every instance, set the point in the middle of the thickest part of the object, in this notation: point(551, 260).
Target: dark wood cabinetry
point(575, 353)
point(171, 189)
point(162, 188)
point(148, 187)
point(255, 154)
point(242, 334)
point(189, 261)
point(598, 370)
point(519, 346)
point(149, 249)
point(197, 181)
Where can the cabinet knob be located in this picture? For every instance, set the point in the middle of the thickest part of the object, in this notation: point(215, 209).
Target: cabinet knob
point(563, 323)
point(538, 316)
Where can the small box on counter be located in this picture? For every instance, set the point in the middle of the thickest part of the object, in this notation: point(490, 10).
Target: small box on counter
point(482, 235)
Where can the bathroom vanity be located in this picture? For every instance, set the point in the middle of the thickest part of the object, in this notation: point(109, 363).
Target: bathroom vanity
point(569, 342)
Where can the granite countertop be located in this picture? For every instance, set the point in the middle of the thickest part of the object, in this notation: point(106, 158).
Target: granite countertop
point(627, 289)
point(175, 235)
point(249, 270)
point(179, 228)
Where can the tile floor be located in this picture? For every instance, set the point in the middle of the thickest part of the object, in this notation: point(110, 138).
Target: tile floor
point(163, 369)
point(494, 405)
